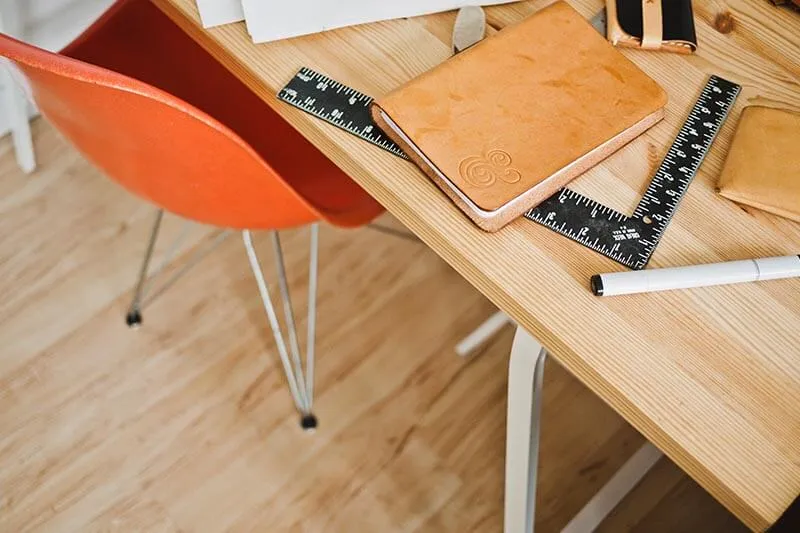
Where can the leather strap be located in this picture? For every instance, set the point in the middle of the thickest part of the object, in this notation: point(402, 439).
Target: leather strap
point(652, 25)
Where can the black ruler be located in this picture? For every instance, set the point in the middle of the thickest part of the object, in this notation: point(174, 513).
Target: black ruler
point(629, 240)
point(337, 104)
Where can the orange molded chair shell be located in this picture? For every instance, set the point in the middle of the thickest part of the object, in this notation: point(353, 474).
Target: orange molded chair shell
point(191, 161)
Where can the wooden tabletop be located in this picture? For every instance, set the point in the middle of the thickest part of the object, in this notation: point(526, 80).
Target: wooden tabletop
point(711, 376)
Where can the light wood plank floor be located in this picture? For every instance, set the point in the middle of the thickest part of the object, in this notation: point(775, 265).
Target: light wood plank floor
point(186, 425)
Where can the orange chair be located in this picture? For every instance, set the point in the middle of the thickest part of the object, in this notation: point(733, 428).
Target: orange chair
point(159, 115)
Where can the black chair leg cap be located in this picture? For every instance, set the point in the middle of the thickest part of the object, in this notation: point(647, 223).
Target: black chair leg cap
point(134, 319)
point(308, 423)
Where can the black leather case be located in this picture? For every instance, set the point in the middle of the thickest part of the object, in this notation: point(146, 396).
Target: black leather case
point(678, 33)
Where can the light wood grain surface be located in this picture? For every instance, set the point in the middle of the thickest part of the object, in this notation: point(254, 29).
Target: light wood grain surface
point(711, 376)
point(186, 425)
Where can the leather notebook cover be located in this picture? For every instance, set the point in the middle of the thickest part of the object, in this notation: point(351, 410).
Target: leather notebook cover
point(505, 124)
point(763, 165)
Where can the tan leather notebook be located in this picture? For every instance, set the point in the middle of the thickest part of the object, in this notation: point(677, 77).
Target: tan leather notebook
point(505, 124)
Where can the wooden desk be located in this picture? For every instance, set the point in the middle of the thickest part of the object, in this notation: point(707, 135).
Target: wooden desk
point(710, 376)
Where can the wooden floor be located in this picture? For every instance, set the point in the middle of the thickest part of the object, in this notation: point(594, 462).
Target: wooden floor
point(186, 424)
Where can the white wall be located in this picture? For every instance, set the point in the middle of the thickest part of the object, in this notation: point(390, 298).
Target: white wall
point(50, 24)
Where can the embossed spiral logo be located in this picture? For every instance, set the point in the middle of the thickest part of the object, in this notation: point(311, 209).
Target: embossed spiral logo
point(483, 172)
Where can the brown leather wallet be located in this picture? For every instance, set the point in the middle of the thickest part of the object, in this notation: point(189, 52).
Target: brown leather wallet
point(763, 165)
point(652, 25)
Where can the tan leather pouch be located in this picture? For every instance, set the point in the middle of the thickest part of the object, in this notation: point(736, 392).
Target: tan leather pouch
point(666, 25)
point(763, 166)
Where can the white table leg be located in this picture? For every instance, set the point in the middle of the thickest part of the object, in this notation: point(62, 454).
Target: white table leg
point(483, 333)
point(523, 427)
point(599, 507)
point(525, 379)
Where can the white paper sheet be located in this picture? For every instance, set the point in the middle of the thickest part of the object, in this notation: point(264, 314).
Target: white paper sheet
point(270, 20)
point(216, 12)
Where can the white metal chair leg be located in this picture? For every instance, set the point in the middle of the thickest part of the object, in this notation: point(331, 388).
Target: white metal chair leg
point(145, 292)
point(150, 293)
point(311, 338)
point(288, 316)
point(300, 382)
point(525, 380)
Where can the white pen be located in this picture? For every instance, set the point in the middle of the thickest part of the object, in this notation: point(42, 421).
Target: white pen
point(667, 279)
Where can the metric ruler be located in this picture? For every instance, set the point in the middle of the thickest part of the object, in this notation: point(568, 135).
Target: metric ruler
point(629, 240)
point(336, 104)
